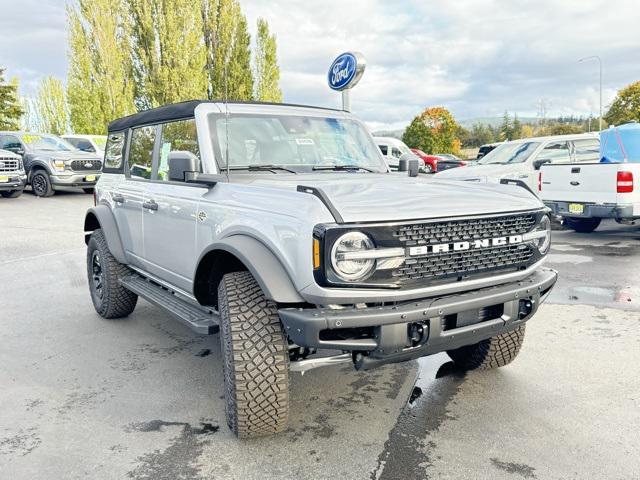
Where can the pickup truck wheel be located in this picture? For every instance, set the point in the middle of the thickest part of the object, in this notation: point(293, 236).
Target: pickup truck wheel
point(110, 298)
point(582, 225)
point(41, 184)
point(256, 358)
point(11, 193)
point(491, 353)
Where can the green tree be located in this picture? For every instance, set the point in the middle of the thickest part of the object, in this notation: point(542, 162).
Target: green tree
point(51, 106)
point(167, 51)
point(99, 82)
point(626, 106)
point(433, 131)
point(480, 134)
point(10, 108)
point(228, 53)
point(267, 72)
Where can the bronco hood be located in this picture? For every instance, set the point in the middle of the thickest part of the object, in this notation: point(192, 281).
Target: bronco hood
point(368, 197)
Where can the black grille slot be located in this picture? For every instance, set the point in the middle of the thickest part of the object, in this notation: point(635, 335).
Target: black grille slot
point(464, 263)
point(80, 165)
point(8, 165)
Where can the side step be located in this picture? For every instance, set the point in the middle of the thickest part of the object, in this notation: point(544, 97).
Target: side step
point(199, 319)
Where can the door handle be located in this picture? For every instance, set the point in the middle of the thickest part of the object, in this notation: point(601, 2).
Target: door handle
point(150, 205)
point(574, 183)
point(118, 198)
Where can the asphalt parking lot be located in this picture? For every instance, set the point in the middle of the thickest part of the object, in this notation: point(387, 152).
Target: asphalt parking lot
point(141, 398)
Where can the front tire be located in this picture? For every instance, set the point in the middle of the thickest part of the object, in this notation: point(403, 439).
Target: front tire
point(110, 298)
point(582, 225)
point(11, 193)
point(41, 184)
point(256, 358)
point(491, 353)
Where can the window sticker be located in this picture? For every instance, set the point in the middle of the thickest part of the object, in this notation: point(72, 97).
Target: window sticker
point(305, 141)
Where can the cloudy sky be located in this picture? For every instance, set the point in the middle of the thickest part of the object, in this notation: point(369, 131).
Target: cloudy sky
point(478, 58)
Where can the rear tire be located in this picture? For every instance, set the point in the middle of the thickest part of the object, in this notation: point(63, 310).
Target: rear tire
point(41, 184)
point(491, 353)
point(11, 193)
point(256, 358)
point(582, 225)
point(110, 298)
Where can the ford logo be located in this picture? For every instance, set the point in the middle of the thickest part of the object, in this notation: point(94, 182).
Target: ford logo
point(88, 165)
point(346, 70)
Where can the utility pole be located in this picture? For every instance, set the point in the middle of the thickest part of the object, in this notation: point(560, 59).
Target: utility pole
point(596, 57)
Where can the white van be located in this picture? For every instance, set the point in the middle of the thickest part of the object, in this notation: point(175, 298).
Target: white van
point(392, 149)
point(517, 162)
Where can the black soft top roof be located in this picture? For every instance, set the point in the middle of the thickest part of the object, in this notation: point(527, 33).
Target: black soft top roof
point(178, 111)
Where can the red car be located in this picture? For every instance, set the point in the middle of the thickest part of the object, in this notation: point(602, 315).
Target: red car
point(438, 163)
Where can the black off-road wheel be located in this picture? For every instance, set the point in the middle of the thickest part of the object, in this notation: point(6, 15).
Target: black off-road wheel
point(494, 352)
point(41, 184)
point(582, 225)
point(11, 193)
point(88, 191)
point(256, 358)
point(110, 298)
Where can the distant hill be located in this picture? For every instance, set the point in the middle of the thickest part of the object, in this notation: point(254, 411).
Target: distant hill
point(389, 133)
point(493, 121)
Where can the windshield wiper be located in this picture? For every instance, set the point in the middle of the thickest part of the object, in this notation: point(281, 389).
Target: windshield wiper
point(343, 167)
point(262, 168)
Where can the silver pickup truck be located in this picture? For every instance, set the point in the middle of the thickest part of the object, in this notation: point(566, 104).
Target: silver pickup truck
point(281, 228)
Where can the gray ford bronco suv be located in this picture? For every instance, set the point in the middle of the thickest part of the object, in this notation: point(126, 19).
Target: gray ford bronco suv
point(281, 228)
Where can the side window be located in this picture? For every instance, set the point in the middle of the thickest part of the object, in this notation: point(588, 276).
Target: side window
point(72, 141)
point(178, 136)
point(141, 151)
point(587, 150)
point(557, 152)
point(10, 142)
point(114, 152)
point(383, 149)
point(84, 145)
point(396, 152)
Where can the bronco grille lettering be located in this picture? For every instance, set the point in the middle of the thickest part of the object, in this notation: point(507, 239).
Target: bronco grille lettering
point(466, 245)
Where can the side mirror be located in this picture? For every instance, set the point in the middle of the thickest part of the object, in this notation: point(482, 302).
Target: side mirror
point(181, 162)
point(538, 163)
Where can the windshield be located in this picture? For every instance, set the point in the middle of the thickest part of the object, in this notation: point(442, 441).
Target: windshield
point(509, 153)
point(296, 143)
point(46, 142)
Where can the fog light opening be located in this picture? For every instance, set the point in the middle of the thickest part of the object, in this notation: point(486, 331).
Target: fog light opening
point(525, 307)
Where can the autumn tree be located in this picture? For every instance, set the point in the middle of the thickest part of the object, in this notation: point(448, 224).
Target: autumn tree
point(99, 82)
point(10, 108)
point(267, 72)
point(433, 131)
point(51, 106)
point(626, 106)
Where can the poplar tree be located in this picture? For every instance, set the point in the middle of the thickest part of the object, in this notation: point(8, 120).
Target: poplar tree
point(10, 109)
point(267, 72)
point(51, 106)
point(99, 86)
point(167, 51)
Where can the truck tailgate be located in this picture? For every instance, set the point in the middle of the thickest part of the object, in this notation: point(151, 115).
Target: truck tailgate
point(579, 182)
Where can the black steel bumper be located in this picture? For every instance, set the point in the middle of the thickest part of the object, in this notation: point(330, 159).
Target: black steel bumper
point(591, 210)
point(417, 328)
point(16, 182)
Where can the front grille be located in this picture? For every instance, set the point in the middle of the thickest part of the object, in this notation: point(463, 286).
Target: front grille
point(8, 164)
point(80, 165)
point(464, 263)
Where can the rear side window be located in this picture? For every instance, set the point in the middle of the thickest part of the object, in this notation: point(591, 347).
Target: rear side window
point(141, 152)
point(587, 150)
point(557, 152)
point(114, 153)
point(178, 136)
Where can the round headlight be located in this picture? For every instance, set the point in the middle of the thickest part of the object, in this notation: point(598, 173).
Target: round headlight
point(346, 266)
point(544, 242)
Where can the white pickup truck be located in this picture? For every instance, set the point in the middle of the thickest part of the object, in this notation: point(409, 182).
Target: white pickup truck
point(583, 194)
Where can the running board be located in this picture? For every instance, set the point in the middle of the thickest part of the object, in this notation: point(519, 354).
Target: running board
point(199, 319)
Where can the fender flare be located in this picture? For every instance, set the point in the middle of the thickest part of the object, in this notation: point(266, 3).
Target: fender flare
point(263, 265)
point(101, 217)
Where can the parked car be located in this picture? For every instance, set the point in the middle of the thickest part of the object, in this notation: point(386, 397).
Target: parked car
point(585, 194)
point(88, 143)
point(50, 162)
point(429, 162)
point(484, 149)
point(438, 162)
point(517, 162)
point(282, 227)
point(12, 175)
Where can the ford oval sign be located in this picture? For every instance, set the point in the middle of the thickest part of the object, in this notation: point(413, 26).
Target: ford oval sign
point(346, 70)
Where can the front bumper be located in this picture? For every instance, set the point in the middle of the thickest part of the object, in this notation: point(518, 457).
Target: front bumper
point(392, 328)
point(591, 210)
point(16, 182)
point(74, 179)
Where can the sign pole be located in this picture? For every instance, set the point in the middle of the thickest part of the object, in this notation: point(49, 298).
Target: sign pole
point(346, 100)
